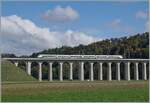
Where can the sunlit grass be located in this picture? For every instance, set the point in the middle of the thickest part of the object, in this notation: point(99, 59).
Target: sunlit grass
point(66, 91)
point(11, 73)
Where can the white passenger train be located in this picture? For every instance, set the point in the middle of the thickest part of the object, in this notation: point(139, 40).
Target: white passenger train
point(54, 56)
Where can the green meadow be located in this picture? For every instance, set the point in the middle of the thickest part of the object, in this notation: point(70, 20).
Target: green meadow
point(17, 86)
point(133, 91)
point(14, 74)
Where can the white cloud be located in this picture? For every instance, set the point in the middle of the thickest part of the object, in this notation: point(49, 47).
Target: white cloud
point(141, 15)
point(147, 26)
point(22, 36)
point(60, 14)
point(115, 23)
point(118, 25)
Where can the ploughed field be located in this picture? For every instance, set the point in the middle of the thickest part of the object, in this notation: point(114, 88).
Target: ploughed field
point(69, 91)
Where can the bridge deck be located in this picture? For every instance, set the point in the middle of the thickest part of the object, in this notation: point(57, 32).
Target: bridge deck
point(68, 59)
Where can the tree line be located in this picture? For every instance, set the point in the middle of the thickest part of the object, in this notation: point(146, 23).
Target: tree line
point(136, 46)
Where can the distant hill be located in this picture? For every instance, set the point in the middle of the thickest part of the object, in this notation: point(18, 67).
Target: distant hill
point(136, 46)
point(12, 73)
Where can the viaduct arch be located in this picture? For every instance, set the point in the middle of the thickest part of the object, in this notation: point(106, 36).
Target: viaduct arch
point(100, 59)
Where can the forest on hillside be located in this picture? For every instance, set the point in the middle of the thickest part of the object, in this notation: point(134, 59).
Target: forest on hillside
point(136, 46)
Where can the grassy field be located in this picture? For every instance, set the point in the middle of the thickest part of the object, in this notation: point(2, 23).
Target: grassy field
point(14, 88)
point(12, 73)
point(96, 91)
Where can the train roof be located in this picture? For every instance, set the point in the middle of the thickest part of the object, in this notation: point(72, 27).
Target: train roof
point(79, 56)
point(74, 55)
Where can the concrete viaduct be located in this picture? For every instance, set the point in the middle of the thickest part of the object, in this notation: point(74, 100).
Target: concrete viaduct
point(91, 59)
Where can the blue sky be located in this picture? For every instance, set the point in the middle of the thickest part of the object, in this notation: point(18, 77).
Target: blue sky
point(94, 16)
point(99, 20)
